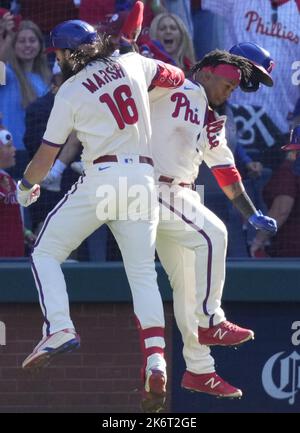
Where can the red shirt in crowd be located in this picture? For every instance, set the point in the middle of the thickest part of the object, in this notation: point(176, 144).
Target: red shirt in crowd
point(11, 224)
point(283, 182)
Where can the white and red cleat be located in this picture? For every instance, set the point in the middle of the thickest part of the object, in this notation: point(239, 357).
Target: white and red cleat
point(154, 394)
point(53, 345)
point(211, 384)
point(224, 334)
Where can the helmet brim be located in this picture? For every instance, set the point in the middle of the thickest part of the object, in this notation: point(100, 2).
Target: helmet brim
point(263, 75)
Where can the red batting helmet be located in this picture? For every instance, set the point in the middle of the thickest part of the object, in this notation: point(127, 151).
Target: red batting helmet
point(294, 143)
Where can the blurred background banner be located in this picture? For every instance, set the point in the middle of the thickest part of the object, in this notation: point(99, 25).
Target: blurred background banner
point(267, 370)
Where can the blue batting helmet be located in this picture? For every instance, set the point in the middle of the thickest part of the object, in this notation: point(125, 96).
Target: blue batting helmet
point(262, 61)
point(70, 34)
point(294, 143)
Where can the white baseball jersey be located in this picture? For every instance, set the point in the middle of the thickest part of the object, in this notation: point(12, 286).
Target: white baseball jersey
point(251, 21)
point(99, 102)
point(182, 135)
point(191, 240)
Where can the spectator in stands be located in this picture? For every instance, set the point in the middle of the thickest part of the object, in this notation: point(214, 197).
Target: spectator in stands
point(282, 195)
point(208, 29)
point(181, 8)
point(27, 76)
point(37, 114)
point(254, 178)
point(12, 233)
point(171, 32)
point(273, 24)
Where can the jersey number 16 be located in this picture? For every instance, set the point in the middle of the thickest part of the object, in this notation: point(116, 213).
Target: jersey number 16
point(122, 106)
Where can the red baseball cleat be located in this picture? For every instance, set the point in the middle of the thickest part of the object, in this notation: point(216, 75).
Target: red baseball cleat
point(209, 383)
point(154, 395)
point(224, 334)
point(133, 23)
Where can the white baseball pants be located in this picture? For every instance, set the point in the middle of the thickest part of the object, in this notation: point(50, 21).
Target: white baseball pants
point(98, 198)
point(191, 244)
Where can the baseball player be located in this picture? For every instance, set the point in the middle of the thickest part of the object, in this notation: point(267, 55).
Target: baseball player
point(191, 240)
point(105, 100)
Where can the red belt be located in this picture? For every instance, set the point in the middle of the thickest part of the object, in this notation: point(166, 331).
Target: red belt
point(167, 179)
point(114, 158)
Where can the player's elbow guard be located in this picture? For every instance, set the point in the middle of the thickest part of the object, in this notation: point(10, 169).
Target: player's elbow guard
point(168, 76)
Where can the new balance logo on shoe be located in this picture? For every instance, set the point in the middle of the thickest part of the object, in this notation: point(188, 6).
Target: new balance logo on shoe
point(211, 383)
point(219, 334)
point(224, 334)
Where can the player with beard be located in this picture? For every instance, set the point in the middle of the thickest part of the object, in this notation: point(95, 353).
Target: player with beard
point(105, 100)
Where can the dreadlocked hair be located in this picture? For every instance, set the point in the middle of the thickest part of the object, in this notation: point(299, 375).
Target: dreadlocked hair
point(101, 49)
point(219, 57)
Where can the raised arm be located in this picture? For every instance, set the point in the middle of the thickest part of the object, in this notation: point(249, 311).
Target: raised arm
point(6, 35)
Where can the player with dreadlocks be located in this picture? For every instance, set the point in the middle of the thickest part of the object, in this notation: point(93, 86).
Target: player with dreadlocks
point(191, 240)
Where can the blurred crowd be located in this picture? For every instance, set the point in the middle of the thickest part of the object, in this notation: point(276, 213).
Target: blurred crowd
point(178, 32)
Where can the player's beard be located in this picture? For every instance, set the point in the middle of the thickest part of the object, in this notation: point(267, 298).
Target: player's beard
point(66, 70)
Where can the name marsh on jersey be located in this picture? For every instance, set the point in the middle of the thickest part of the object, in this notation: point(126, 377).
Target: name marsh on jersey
point(103, 76)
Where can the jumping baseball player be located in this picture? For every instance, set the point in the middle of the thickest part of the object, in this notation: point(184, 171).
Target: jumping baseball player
point(105, 100)
point(191, 240)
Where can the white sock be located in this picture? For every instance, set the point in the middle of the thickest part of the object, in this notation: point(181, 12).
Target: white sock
point(58, 168)
point(156, 362)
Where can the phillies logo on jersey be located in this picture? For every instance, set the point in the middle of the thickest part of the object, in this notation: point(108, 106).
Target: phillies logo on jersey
point(277, 30)
point(183, 105)
point(213, 131)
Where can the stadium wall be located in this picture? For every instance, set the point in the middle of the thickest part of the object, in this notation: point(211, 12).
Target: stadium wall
point(104, 375)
